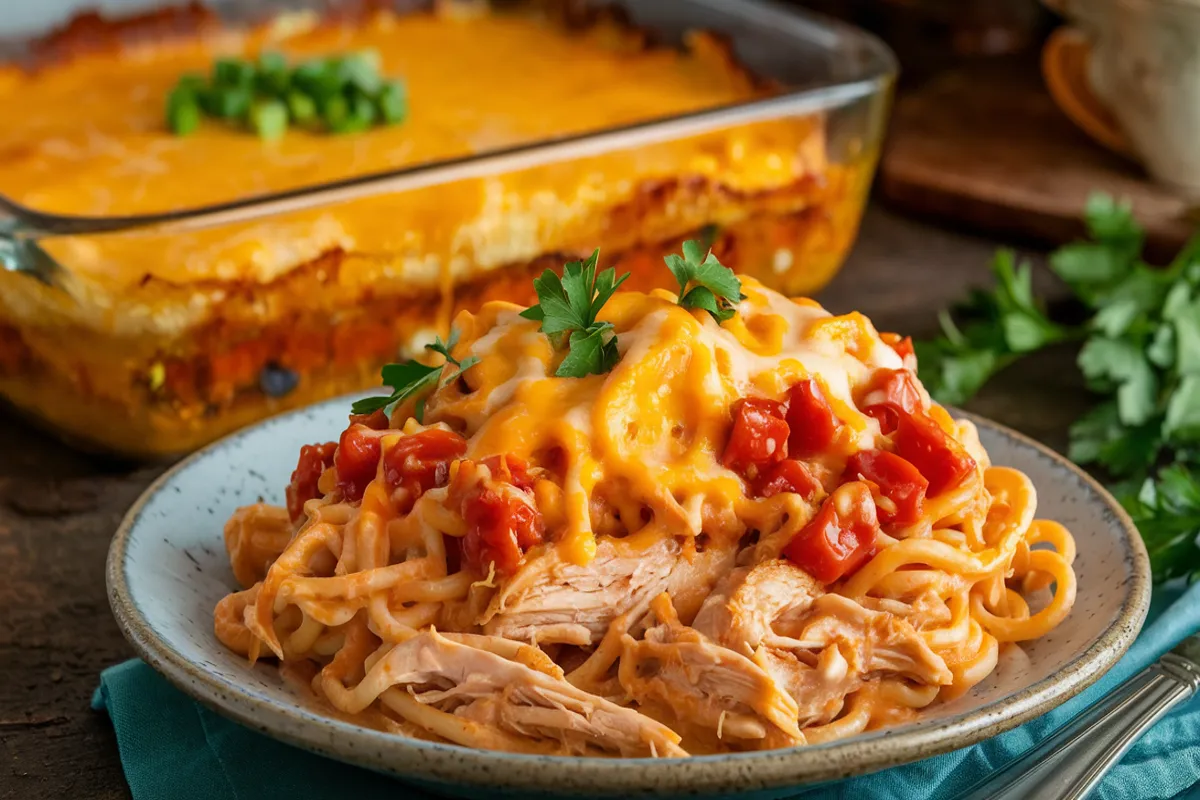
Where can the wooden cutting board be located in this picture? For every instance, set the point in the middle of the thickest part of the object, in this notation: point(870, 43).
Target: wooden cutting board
point(984, 147)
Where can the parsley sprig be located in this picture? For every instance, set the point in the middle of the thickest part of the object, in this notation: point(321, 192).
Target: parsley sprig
point(413, 379)
point(567, 308)
point(704, 282)
point(444, 349)
point(1141, 356)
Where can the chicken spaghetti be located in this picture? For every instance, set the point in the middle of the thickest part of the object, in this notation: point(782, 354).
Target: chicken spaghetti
point(744, 526)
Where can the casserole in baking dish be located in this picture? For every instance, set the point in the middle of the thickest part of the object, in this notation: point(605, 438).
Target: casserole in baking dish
point(154, 340)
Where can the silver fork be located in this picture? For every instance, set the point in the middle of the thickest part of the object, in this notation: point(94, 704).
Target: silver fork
point(1069, 764)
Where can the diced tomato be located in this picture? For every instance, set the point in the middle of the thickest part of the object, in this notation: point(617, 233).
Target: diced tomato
point(789, 475)
point(502, 523)
point(356, 460)
point(376, 420)
point(759, 435)
point(908, 354)
point(314, 459)
point(421, 462)
point(510, 469)
point(893, 394)
point(942, 460)
point(840, 538)
point(903, 345)
point(898, 481)
point(811, 420)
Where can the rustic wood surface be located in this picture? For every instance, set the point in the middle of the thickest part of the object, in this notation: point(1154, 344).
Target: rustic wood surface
point(59, 507)
point(985, 146)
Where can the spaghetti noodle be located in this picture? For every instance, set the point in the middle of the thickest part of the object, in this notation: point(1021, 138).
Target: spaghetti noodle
point(754, 534)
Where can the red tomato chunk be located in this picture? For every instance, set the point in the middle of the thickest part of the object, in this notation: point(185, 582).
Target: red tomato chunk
point(356, 460)
point(811, 421)
point(898, 481)
point(421, 462)
point(788, 476)
point(923, 443)
point(314, 459)
point(509, 469)
point(376, 420)
point(502, 523)
point(759, 435)
point(893, 395)
point(904, 348)
point(840, 538)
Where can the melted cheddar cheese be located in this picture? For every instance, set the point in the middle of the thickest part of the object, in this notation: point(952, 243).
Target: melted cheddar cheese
point(656, 424)
point(101, 147)
point(477, 83)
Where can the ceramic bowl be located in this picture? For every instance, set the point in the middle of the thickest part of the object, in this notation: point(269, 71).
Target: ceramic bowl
point(167, 568)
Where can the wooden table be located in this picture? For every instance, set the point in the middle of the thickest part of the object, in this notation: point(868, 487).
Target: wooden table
point(58, 509)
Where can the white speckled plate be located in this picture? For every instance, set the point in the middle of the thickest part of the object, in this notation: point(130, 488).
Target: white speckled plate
point(167, 569)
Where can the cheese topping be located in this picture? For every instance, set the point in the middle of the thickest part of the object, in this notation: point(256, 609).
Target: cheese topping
point(657, 423)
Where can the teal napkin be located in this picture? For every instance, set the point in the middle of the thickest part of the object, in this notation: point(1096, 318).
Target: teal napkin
point(171, 747)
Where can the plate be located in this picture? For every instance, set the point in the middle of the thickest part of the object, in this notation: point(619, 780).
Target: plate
point(167, 568)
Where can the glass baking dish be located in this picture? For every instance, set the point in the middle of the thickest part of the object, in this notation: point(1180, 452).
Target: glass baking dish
point(150, 320)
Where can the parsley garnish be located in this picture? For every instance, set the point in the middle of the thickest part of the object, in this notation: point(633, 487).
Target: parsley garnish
point(413, 378)
point(1141, 356)
point(444, 348)
point(1001, 326)
point(567, 308)
point(713, 286)
point(407, 379)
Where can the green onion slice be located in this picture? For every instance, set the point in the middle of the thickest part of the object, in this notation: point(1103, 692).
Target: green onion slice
point(269, 118)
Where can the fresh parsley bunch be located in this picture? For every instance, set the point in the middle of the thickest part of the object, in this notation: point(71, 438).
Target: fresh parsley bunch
point(1000, 326)
point(1140, 354)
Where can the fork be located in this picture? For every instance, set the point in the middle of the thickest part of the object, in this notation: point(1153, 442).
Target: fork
point(1069, 764)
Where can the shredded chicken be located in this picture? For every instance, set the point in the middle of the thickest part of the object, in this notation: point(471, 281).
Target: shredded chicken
point(522, 694)
point(551, 600)
point(925, 610)
point(708, 685)
point(819, 684)
point(871, 641)
point(818, 647)
point(744, 606)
